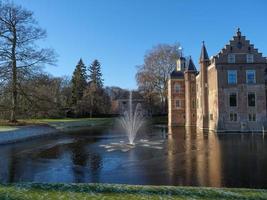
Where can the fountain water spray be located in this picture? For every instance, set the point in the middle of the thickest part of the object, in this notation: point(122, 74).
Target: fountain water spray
point(132, 121)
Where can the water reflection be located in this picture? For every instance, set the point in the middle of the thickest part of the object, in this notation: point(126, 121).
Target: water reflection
point(199, 156)
point(186, 157)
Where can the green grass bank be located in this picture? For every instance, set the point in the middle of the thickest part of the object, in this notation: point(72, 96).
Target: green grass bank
point(61, 124)
point(69, 123)
point(129, 192)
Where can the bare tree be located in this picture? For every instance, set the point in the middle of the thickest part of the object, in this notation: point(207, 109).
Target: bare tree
point(19, 54)
point(153, 75)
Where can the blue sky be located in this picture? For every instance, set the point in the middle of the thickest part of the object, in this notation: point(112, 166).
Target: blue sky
point(120, 32)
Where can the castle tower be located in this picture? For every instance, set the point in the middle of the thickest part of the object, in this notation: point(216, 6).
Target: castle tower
point(204, 63)
point(181, 64)
point(176, 95)
point(190, 94)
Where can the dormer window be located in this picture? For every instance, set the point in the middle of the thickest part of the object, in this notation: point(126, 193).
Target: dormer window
point(231, 58)
point(250, 58)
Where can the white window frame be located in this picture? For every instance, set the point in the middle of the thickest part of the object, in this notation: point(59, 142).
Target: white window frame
point(231, 58)
point(247, 73)
point(250, 58)
point(228, 75)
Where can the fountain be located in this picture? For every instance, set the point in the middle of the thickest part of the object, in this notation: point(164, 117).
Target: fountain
point(132, 121)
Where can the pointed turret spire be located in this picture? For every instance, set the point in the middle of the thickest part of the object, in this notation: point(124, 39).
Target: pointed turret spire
point(204, 54)
point(191, 65)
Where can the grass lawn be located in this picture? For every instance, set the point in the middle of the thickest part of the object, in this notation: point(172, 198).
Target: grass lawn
point(108, 191)
point(58, 123)
point(66, 123)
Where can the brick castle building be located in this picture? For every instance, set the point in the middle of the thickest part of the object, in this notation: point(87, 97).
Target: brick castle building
point(227, 94)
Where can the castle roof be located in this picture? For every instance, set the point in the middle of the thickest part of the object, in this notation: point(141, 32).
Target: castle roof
point(191, 65)
point(204, 54)
point(177, 74)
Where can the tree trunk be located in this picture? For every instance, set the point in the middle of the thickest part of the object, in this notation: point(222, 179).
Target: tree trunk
point(13, 117)
point(162, 104)
point(91, 107)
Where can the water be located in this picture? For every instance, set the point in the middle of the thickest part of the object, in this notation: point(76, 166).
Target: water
point(184, 158)
point(132, 121)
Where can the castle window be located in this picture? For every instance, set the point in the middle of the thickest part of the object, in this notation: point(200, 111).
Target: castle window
point(231, 58)
point(252, 117)
point(177, 103)
point(211, 116)
point(250, 58)
point(232, 76)
point(233, 117)
point(233, 100)
point(251, 99)
point(177, 88)
point(251, 78)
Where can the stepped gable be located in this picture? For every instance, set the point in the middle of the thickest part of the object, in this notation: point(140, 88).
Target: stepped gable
point(239, 46)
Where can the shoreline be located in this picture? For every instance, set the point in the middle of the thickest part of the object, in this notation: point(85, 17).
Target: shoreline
point(26, 133)
point(29, 132)
point(34, 132)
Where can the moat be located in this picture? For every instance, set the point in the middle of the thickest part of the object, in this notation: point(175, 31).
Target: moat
point(183, 158)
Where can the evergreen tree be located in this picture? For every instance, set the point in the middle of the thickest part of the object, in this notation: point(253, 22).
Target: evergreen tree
point(78, 82)
point(94, 95)
point(95, 75)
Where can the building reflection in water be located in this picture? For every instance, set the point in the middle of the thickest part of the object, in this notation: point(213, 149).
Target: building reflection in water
point(198, 156)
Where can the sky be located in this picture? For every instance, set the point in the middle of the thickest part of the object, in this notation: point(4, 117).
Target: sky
point(119, 32)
